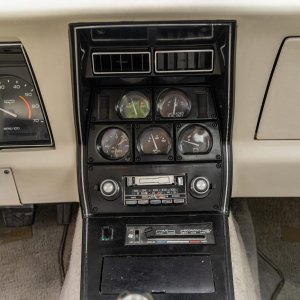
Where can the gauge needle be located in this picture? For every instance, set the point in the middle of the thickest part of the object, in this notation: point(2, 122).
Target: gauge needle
point(9, 113)
point(191, 143)
point(134, 107)
point(154, 142)
point(174, 108)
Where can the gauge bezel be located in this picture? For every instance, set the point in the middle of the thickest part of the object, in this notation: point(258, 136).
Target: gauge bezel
point(182, 132)
point(26, 74)
point(100, 148)
point(140, 156)
point(159, 101)
point(95, 131)
point(118, 103)
point(215, 152)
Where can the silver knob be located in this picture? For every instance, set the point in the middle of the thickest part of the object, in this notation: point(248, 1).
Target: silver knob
point(109, 188)
point(200, 185)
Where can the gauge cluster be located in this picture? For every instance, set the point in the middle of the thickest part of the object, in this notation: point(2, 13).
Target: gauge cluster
point(23, 119)
point(154, 125)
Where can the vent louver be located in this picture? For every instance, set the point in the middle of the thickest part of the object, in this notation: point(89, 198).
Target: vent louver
point(121, 62)
point(184, 61)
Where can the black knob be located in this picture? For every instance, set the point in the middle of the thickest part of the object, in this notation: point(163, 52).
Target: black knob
point(109, 189)
point(200, 186)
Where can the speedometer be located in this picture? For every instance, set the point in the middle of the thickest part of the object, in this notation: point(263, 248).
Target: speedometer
point(22, 122)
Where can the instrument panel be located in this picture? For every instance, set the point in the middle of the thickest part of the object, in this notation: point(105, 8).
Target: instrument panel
point(154, 125)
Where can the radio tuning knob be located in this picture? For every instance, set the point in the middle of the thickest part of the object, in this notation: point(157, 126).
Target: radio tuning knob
point(109, 189)
point(200, 186)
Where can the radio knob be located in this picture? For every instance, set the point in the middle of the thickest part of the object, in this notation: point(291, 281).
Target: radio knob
point(200, 185)
point(109, 189)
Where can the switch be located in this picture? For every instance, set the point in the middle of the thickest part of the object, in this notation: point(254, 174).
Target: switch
point(136, 235)
point(106, 234)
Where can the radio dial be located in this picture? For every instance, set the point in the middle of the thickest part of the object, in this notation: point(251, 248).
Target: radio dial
point(109, 189)
point(200, 186)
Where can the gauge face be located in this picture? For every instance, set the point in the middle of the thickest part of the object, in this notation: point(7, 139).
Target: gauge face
point(134, 105)
point(21, 118)
point(194, 139)
point(173, 104)
point(155, 140)
point(113, 144)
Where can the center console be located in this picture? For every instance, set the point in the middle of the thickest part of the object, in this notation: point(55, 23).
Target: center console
point(153, 109)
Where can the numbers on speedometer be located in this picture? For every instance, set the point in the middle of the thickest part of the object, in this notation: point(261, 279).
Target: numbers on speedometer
point(21, 116)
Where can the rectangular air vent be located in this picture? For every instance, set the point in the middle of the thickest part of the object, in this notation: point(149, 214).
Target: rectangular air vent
point(121, 63)
point(184, 61)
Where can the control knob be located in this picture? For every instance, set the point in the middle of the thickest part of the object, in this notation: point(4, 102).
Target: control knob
point(109, 189)
point(199, 187)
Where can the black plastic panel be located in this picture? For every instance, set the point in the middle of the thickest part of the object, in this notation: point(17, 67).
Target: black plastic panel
point(167, 275)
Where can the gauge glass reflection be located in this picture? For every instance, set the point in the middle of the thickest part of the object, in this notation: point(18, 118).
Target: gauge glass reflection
point(173, 104)
point(155, 141)
point(134, 105)
point(195, 139)
point(113, 144)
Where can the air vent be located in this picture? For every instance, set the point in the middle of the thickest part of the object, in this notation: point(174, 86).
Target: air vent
point(184, 34)
point(184, 61)
point(121, 62)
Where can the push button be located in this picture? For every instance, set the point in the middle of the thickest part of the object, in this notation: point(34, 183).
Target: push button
point(167, 201)
point(155, 202)
point(131, 202)
point(143, 202)
point(178, 201)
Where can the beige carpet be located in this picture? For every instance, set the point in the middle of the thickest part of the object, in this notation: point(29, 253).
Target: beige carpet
point(29, 268)
point(277, 227)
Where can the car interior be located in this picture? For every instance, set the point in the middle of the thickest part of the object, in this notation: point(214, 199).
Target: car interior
point(149, 150)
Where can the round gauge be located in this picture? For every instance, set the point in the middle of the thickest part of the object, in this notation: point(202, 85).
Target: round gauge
point(113, 143)
point(173, 104)
point(155, 140)
point(194, 139)
point(134, 105)
point(21, 118)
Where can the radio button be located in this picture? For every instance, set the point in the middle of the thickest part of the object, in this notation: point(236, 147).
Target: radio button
point(167, 201)
point(180, 181)
point(179, 201)
point(143, 202)
point(155, 202)
point(131, 202)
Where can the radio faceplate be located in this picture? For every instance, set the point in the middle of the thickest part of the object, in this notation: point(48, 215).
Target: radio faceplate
point(151, 188)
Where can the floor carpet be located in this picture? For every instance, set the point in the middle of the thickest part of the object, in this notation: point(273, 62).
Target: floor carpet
point(29, 268)
point(277, 228)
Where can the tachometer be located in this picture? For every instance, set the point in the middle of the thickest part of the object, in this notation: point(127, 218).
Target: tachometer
point(134, 105)
point(21, 117)
point(173, 104)
point(113, 144)
point(155, 140)
point(194, 139)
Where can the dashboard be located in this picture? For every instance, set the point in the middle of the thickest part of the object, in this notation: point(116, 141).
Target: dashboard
point(261, 167)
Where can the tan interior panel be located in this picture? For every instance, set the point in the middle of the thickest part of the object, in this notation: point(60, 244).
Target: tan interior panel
point(8, 189)
point(260, 167)
point(281, 111)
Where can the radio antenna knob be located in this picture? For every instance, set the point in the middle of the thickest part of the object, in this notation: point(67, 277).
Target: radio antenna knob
point(109, 189)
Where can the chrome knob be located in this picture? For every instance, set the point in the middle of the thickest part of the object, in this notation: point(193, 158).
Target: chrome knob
point(109, 189)
point(200, 185)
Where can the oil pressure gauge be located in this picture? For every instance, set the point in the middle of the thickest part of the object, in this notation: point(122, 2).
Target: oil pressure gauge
point(22, 121)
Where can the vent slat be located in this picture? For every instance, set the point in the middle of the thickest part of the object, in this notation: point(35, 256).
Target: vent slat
point(121, 62)
point(184, 61)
